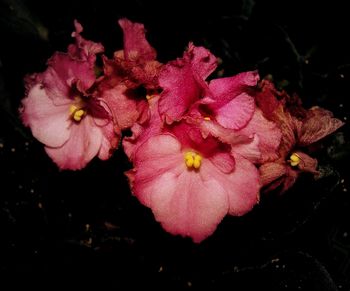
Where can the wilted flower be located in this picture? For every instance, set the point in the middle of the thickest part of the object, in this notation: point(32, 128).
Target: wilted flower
point(300, 128)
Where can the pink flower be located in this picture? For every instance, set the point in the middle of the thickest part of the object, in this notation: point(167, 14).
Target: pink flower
point(194, 156)
point(300, 128)
point(191, 182)
point(62, 110)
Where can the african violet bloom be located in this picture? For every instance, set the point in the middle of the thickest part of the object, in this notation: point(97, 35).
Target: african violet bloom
point(194, 157)
point(62, 110)
point(300, 128)
point(191, 182)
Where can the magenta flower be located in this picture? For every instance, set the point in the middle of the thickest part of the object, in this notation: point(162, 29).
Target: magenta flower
point(224, 107)
point(191, 182)
point(300, 128)
point(62, 111)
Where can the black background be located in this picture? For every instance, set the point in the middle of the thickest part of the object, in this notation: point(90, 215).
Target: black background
point(60, 229)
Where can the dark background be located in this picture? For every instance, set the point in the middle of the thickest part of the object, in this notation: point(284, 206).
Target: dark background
point(61, 229)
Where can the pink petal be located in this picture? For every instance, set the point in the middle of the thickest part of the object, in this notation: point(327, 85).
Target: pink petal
point(236, 113)
point(135, 44)
point(157, 156)
point(242, 185)
point(49, 123)
point(224, 162)
point(203, 62)
point(63, 72)
point(225, 89)
point(269, 135)
point(249, 150)
point(190, 136)
point(246, 146)
point(318, 124)
point(83, 144)
point(187, 205)
point(180, 90)
point(225, 135)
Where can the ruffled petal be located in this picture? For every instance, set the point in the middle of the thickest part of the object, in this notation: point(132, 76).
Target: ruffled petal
point(64, 72)
point(202, 61)
point(180, 90)
point(136, 47)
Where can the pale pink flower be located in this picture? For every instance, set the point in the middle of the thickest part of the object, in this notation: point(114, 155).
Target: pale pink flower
point(62, 111)
point(191, 183)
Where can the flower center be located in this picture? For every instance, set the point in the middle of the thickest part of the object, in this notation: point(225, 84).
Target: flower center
point(77, 113)
point(294, 160)
point(192, 160)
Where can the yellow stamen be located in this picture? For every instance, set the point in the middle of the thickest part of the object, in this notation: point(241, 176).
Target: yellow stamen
point(197, 161)
point(149, 97)
point(294, 160)
point(72, 109)
point(207, 118)
point(76, 112)
point(193, 160)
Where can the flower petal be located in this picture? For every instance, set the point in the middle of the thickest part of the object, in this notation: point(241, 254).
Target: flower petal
point(269, 135)
point(83, 144)
point(189, 206)
point(123, 108)
point(63, 72)
point(225, 89)
point(155, 157)
point(180, 90)
point(236, 113)
point(135, 44)
point(318, 124)
point(203, 62)
point(49, 123)
point(242, 186)
point(249, 150)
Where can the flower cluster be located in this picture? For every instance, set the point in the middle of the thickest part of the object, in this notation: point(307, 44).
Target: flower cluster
point(201, 148)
